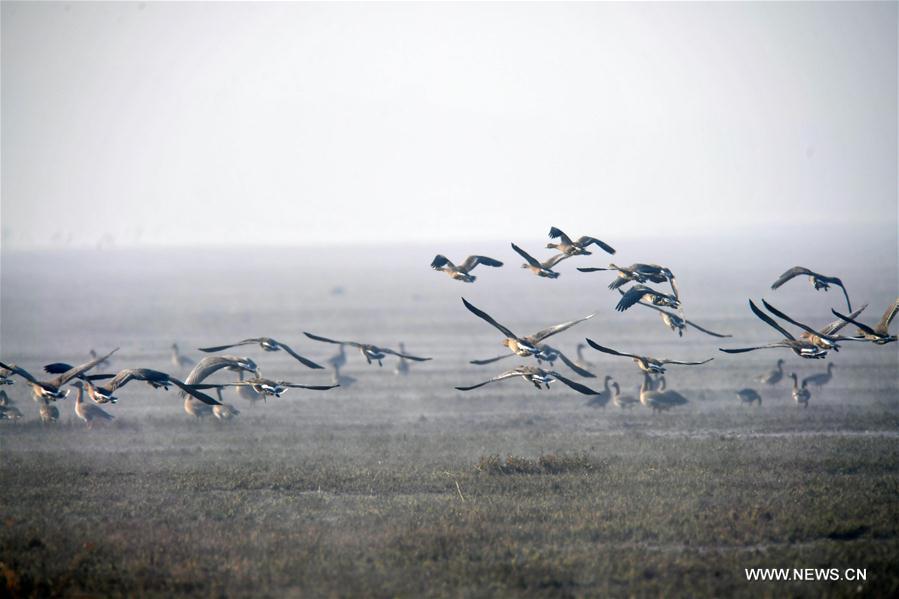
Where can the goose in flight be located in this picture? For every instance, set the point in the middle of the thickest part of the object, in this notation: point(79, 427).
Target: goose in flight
point(272, 388)
point(800, 394)
point(772, 377)
point(212, 364)
point(368, 351)
point(179, 361)
point(749, 396)
point(523, 346)
point(154, 378)
point(541, 269)
point(819, 281)
point(675, 322)
point(266, 343)
point(460, 273)
point(52, 389)
point(822, 378)
point(10, 413)
point(641, 292)
point(880, 334)
point(623, 401)
point(535, 376)
point(88, 412)
point(575, 248)
point(546, 354)
point(825, 338)
point(646, 364)
point(640, 273)
point(801, 347)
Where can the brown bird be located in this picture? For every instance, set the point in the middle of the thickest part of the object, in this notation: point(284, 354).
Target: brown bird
point(646, 364)
point(541, 269)
point(879, 334)
point(368, 351)
point(575, 248)
point(52, 389)
point(460, 273)
point(535, 376)
point(819, 281)
point(266, 343)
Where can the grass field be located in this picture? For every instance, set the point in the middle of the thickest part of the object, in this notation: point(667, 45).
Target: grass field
point(527, 497)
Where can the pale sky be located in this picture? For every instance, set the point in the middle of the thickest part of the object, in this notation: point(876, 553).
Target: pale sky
point(172, 124)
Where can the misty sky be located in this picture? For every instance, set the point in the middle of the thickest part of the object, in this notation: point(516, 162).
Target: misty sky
point(279, 123)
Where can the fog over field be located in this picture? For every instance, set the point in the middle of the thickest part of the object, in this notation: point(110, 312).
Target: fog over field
point(202, 173)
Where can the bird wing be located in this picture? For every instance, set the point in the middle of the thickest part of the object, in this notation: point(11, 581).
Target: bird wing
point(835, 326)
point(793, 272)
point(888, 317)
point(666, 361)
point(440, 261)
point(556, 233)
point(836, 281)
point(632, 296)
point(223, 347)
point(607, 350)
point(764, 317)
point(304, 361)
point(326, 340)
point(490, 360)
point(548, 332)
point(57, 368)
point(593, 268)
point(706, 331)
point(554, 260)
point(191, 390)
point(473, 261)
point(506, 375)
point(402, 355)
point(211, 364)
point(586, 240)
point(79, 370)
point(528, 258)
point(575, 367)
point(863, 327)
point(483, 315)
point(20, 371)
point(574, 385)
point(780, 314)
point(312, 387)
point(746, 349)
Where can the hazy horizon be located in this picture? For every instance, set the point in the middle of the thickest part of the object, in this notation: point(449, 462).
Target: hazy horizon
point(169, 124)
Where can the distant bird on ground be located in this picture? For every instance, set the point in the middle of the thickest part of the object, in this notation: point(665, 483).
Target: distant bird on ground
point(402, 367)
point(460, 273)
point(535, 376)
point(101, 394)
point(822, 378)
point(826, 338)
point(197, 409)
point(266, 343)
point(801, 394)
point(88, 412)
point(546, 354)
point(801, 347)
point(582, 362)
point(878, 335)
point(659, 401)
point(179, 361)
point(677, 323)
point(10, 413)
point(646, 364)
point(368, 351)
point(640, 273)
point(575, 248)
point(338, 359)
point(52, 390)
point(749, 396)
point(275, 388)
point(4, 399)
point(603, 397)
point(224, 411)
point(623, 401)
point(772, 377)
point(49, 413)
point(641, 292)
point(522, 346)
point(818, 280)
point(541, 269)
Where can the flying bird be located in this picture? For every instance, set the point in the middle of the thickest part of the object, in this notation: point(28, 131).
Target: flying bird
point(266, 343)
point(546, 354)
point(646, 364)
point(535, 376)
point(154, 378)
point(640, 273)
point(541, 269)
point(460, 273)
point(826, 337)
point(52, 389)
point(369, 352)
point(879, 334)
point(677, 323)
point(641, 292)
point(819, 281)
point(801, 347)
point(575, 248)
point(275, 388)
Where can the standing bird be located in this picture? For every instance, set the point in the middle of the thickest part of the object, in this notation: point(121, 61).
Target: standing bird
point(460, 273)
point(880, 334)
point(10, 413)
point(801, 347)
point(822, 378)
point(772, 377)
point(368, 351)
point(224, 411)
point(266, 343)
point(801, 394)
point(582, 362)
point(819, 281)
point(48, 412)
point(749, 396)
point(623, 401)
point(522, 346)
point(603, 397)
point(575, 248)
point(646, 364)
point(88, 412)
point(4, 399)
point(659, 400)
point(179, 361)
point(52, 389)
point(541, 269)
point(535, 376)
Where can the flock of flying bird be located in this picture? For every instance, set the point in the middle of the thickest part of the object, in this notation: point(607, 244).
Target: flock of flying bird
point(811, 343)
